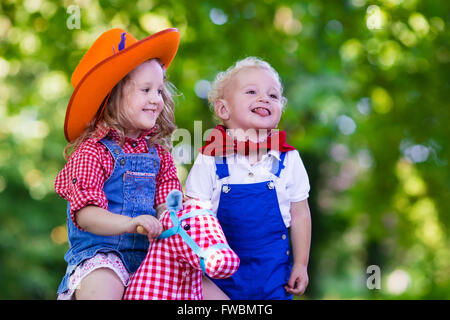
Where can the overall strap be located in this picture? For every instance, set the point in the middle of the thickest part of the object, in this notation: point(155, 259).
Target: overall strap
point(277, 166)
point(221, 167)
point(112, 146)
point(151, 147)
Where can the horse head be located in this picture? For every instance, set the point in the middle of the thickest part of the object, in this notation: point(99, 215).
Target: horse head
point(197, 238)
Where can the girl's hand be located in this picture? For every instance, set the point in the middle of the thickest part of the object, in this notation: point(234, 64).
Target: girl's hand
point(298, 281)
point(152, 226)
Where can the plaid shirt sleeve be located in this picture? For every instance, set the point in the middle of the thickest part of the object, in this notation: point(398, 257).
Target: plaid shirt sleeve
point(81, 180)
point(167, 178)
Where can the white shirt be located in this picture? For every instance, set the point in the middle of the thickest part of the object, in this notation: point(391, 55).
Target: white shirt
point(291, 186)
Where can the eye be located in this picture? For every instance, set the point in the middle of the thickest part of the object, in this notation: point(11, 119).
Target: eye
point(160, 91)
point(186, 227)
point(146, 90)
point(274, 96)
point(251, 92)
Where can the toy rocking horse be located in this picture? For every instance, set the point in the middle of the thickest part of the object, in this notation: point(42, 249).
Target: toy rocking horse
point(193, 242)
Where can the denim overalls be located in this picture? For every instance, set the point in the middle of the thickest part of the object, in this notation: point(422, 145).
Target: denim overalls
point(130, 191)
point(251, 220)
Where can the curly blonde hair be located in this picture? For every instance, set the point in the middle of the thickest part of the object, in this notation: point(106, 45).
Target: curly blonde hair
point(115, 117)
point(223, 78)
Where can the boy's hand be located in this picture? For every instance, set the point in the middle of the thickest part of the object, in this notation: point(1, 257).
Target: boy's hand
point(298, 281)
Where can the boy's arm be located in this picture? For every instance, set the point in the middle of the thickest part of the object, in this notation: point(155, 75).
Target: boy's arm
point(301, 241)
point(201, 179)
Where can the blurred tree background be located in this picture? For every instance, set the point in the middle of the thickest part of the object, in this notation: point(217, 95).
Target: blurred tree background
point(368, 89)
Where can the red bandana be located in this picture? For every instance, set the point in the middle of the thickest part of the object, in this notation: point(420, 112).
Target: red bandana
point(220, 144)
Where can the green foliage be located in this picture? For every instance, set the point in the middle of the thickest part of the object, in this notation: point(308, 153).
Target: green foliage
point(367, 84)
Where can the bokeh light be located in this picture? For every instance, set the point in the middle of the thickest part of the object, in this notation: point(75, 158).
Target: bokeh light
point(367, 86)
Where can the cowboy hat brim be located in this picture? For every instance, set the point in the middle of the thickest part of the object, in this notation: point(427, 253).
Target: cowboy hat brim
point(98, 82)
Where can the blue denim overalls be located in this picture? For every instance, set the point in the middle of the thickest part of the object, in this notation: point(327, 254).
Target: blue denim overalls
point(130, 191)
point(251, 220)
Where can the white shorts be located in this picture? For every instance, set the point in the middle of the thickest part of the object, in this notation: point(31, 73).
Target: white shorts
point(100, 260)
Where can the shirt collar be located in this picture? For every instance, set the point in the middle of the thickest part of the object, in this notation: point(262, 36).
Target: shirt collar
point(103, 131)
point(270, 153)
point(274, 153)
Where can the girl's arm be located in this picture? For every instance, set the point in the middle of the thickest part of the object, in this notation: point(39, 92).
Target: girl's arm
point(301, 241)
point(103, 222)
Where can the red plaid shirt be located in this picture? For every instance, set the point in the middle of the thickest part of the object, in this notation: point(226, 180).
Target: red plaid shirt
point(81, 180)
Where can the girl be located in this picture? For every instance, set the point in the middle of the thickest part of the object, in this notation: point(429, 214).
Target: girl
point(257, 184)
point(118, 123)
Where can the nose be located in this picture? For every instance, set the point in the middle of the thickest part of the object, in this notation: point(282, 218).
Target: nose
point(154, 97)
point(222, 264)
point(263, 98)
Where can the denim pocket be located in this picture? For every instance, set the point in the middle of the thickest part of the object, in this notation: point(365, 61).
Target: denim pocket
point(139, 190)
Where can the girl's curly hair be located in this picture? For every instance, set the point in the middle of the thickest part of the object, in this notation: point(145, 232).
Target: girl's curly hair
point(114, 116)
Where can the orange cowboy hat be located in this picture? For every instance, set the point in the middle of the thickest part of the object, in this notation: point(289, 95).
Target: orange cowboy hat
point(112, 56)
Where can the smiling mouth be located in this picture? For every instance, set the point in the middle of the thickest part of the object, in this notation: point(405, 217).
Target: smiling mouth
point(263, 112)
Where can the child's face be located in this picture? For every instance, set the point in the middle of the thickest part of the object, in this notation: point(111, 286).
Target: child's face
point(251, 100)
point(144, 100)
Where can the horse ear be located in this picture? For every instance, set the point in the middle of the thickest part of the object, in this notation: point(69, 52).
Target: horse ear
point(174, 200)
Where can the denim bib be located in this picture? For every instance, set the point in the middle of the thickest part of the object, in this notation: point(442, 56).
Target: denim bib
point(130, 191)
